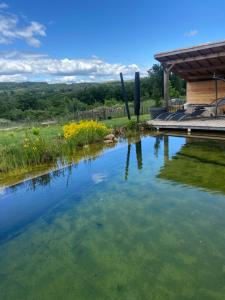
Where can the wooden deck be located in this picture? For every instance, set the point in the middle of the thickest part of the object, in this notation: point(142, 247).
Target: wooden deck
point(197, 124)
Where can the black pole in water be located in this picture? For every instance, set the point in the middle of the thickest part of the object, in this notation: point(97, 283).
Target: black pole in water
point(137, 95)
point(127, 161)
point(124, 93)
point(139, 155)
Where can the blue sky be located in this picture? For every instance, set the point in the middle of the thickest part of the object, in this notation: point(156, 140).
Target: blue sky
point(93, 40)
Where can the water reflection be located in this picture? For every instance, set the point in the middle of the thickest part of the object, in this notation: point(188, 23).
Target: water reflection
point(127, 161)
point(166, 148)
point(198, 163)
point(87, 154)
point(69, 233)
point(193, 162)
point(189, 161)
point(139, 154)
point(43, 180)
point(138, 150)
point(157, 144)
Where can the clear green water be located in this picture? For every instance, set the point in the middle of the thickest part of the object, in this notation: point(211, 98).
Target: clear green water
point(144, 221)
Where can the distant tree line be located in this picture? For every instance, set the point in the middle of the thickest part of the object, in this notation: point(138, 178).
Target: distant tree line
point(41, 101)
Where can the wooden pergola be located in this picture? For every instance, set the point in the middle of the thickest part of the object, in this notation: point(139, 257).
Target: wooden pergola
point(198, 66)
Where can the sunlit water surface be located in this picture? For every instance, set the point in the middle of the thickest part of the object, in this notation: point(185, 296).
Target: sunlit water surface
point(142, 221)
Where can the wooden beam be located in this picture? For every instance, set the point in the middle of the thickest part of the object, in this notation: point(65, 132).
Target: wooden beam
point(169, 69)
point(194, 58)
point(191, 49)
point(205, 77)
point(222, 66)
point(199, 77)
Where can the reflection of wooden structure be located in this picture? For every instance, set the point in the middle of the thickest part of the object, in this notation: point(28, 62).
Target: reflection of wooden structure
point(197, 65)
point(208, 156)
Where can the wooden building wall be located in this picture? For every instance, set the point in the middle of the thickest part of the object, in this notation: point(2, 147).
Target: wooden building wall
point(203, 92)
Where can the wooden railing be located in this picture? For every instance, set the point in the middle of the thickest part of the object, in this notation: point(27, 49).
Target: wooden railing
point(107, 113)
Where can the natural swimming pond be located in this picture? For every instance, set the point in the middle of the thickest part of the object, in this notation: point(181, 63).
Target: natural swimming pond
point(145, 220)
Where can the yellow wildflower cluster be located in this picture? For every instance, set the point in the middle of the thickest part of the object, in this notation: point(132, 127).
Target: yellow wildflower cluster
point(32, 143)
point(74, 129)
point(26, 143)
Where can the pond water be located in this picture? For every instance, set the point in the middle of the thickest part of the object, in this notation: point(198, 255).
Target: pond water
point(145, 220)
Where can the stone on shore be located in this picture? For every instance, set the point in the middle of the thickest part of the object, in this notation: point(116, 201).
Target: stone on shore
point(108, 141)
point(110, 137)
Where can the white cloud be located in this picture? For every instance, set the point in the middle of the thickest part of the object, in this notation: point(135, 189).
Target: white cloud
point(92, 77)
point(191, 33)
point(63, 79)
point(12, 28)
point(2, 191)
point(66, 70)
point(19, 66)
point(13, 78)
point(99, 177)
point(3, 5)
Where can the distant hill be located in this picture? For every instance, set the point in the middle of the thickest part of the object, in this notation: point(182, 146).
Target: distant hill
point(41, 101)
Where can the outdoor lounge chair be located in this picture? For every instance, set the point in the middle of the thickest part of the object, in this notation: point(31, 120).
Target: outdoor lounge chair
point(163, 116)
point(176, 115)
point(197, 113)
point(156, 111)
point(181, 115)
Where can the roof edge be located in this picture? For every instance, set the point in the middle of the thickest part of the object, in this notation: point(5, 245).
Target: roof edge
point(190, 49)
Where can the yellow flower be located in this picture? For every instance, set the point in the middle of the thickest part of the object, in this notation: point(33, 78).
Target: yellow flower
point(73, 129)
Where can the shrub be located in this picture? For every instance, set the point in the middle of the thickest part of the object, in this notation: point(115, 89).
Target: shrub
point(132, 125)
point(85, 132)
point(35, 131)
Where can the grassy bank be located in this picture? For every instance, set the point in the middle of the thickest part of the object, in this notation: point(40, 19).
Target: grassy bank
point(26, 149)
point(51, 132)
point(119, 122)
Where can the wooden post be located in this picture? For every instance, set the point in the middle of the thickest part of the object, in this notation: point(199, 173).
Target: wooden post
point(166, 87)
point(124, 95)
point(216, 87)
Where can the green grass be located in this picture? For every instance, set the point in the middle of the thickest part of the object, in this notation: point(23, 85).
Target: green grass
point(17, 158)
point(119, 122)
point(7, 137)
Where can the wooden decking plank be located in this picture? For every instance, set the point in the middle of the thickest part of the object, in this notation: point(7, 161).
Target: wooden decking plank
point(202, 124)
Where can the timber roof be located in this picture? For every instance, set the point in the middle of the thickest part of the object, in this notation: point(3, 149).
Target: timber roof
point(195, 63)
